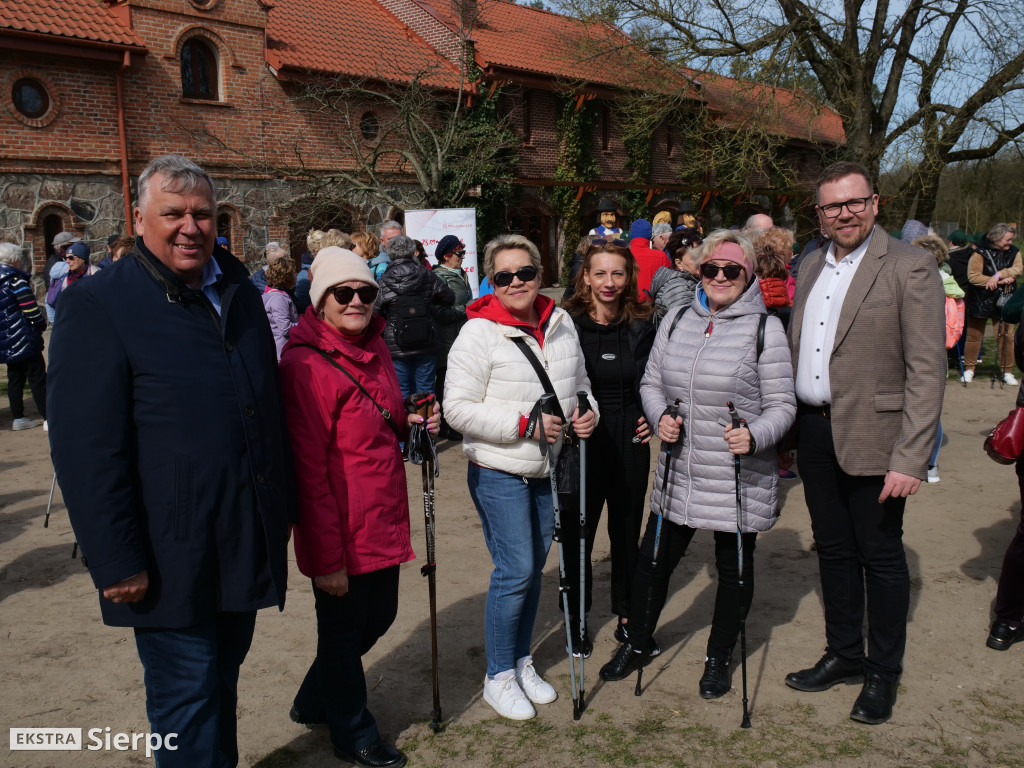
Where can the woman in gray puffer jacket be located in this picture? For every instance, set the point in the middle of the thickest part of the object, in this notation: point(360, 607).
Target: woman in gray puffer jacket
point(706, 358)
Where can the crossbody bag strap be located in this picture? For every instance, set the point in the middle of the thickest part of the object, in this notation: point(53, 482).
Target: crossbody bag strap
point(383, 411)
point(545, 382)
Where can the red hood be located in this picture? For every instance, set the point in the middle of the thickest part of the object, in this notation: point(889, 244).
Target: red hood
point(314, 331)
point(490, 308)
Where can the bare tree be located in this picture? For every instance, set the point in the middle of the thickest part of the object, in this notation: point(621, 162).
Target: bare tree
point(918, 84)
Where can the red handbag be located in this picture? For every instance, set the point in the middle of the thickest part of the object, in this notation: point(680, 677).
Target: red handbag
point(1005, 443)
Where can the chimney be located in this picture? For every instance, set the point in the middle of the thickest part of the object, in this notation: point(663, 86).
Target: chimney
point(466, 12)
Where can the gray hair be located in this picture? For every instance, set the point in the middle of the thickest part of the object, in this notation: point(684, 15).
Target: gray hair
point(11, 255)
point(401, 247)
point(751, 222)
point(998, 231)
point(719, 236)
point(509, 243)
point(275, 251)
point(180, 175)
point(391, 224)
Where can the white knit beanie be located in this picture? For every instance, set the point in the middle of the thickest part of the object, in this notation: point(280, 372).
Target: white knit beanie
point(333, 266)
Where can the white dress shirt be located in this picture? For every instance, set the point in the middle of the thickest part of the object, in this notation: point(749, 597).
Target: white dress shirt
point(821, 319)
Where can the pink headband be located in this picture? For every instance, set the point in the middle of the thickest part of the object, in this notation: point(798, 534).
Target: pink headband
point(729, 251)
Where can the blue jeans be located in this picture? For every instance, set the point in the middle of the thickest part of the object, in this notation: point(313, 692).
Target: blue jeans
point(191, 677)
point(416, 374)
point(518, 522)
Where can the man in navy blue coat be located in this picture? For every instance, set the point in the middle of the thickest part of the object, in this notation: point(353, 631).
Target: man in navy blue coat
point(168, 438)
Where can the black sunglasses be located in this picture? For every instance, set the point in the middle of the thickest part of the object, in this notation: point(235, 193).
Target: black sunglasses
point(343, 293)
point(731, 271)
point(525, 274)
point(618, 242)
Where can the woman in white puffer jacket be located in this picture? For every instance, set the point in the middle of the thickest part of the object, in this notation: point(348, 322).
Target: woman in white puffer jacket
point(491, 394)
point(713, 357)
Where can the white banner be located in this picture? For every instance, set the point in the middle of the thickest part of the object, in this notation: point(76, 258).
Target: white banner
point(429, 226)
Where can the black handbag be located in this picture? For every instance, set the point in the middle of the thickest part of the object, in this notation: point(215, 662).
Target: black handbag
point(567, 465)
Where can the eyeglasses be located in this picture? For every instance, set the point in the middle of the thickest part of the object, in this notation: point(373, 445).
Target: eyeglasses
point(618, 242)
point(71, 257)
point(343, 293)
point(731, 271)
point(856, 205)
point(525, 274)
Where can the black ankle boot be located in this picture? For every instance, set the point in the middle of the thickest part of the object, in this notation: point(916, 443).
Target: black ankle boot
point(715, 682)
point(626, 661)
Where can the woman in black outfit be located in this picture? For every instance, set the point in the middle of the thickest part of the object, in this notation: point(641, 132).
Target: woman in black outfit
point(616, 337)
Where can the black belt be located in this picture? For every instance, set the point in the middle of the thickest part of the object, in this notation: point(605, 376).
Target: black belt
point(818, 410)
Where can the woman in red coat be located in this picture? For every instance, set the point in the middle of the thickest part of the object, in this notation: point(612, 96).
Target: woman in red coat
point(353, 529)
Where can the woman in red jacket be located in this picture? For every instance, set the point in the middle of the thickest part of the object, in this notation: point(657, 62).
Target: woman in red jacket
point(353, 529)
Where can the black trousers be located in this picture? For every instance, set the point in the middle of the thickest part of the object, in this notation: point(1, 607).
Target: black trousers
point(348, 627)
point(650, 583)
point(860, 549)
point(32, 369)
point(617, 474)
point(1010, 594)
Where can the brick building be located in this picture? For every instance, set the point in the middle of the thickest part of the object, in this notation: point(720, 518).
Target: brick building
point(94, 89)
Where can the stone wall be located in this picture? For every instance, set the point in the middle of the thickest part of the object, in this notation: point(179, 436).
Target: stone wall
point(92, 207)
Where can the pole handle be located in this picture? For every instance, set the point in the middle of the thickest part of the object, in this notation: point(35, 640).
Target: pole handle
point(733, 415)
point(583, 402)
point(424, 406)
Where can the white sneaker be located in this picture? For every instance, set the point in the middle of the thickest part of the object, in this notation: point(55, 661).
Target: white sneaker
point(46, 427)
point(19, 424)
point(933, 474)
point(1008, 378)
point(536, 690)
point(968, 377)
point(508, 699)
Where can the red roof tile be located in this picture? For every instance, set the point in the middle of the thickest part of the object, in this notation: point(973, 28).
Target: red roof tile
point(533, 41)
point(781, 111)
point(87, 20)
point(351, 37)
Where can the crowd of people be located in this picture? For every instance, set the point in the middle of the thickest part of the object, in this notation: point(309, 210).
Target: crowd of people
point(304, 381)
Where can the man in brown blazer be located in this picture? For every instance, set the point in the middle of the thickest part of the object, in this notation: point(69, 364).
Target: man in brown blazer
point(867, 339)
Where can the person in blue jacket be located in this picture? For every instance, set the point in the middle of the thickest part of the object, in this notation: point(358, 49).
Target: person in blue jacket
point(169, 443)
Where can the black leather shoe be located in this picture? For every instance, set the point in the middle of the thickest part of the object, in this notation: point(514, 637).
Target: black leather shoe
point(830, 670)
point(625, 663)
point(1003, 635)
point(874, 705)
point(715, 682)
point(380, 754)
point(303, 718)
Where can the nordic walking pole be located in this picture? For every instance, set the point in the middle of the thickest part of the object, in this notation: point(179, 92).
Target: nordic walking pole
point(666, 449)
point(49, 503)
point(736, 424)
point(547, 405)
point(430, 567)
point(583, 405)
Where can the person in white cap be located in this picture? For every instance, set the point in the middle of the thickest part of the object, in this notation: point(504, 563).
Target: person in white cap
point(346, 417)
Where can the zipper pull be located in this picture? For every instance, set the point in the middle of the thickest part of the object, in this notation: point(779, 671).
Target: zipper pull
point(711, 324)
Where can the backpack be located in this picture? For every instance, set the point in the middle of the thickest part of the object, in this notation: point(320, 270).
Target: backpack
point(954, 321)
point(411, 324)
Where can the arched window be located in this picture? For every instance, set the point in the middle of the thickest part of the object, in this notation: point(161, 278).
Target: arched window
point(224, 223)
point(198, 70)
point(53, 225)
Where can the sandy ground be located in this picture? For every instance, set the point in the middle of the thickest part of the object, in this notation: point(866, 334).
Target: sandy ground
point(959, 703)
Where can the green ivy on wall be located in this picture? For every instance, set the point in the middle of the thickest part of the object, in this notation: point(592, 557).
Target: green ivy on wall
point(575, 129)
point(638, 164)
